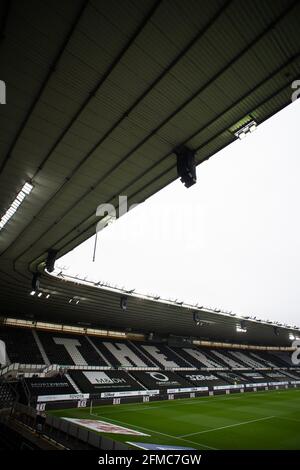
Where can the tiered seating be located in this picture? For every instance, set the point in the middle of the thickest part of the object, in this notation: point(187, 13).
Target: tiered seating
point(275, 376)
point(247, 359)
point(160, 380)
point(254, 377)
point(282, 359)
point(226, 359)
point(49, 386)
point(6, 394)
point(230, 377)
point(267, 359)
point(67, 349)
point(200, 378)
point(200, 358)
point(294, 375)
point(21, 346)
point(97, 382)
point(163, 356)
point(40, 347)
point(122, 353)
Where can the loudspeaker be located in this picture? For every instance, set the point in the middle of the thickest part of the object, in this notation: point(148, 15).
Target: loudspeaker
point(50, 261)
point(123, 303)
point(35, 283)
point(186, 165)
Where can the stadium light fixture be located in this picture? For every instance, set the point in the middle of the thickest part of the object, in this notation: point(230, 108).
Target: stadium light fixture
point(123, 303)
point(198, 320)
point(40, 294)
point(75, 299)
point(32, 292)
point(47, 296)
point(241, 329)
point(245, 130)
point(25, 191)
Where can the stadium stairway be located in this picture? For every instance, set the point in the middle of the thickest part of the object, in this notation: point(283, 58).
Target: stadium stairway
point(147, 359)
point(41, 348)
point(201, 358)
point(98, 351)
point(73, 383)
point(227, 360)
point(248, 361)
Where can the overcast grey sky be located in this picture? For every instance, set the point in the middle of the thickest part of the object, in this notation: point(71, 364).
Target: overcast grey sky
point(232, 241)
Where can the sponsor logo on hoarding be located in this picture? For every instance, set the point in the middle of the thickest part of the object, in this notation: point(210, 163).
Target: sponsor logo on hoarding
point(103, 426)
point(101, 378)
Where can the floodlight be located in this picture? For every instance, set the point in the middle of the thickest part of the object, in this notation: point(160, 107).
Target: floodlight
point(25, 191)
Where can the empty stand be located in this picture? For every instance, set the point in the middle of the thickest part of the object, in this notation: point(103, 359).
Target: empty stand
point(266, 359)
point(254, 377)
point(200, 358)
point(156, 380)
point(292, 374)
point(282, 359)
point(6, 395)
point(164, 356)
point(232, 378)
point(226, 359)
point(122, 353)
point(49, 386)
point(275, 376)
point(247, 359)
point(66, 349)
point(200, 378)
point(21, 346)
point(97, 382)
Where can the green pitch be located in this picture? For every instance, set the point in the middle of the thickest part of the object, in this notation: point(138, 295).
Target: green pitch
point(256, 420)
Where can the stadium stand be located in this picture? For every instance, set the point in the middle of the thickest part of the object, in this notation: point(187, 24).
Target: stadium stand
point(71, 367)
point(49, 386)
point(102, 382)
point(164, 356)
point(254, 376)
point(227, 360)
point(122, 353)
point(69, 350)
point(6, 394)
point(28, 346)
point(199, 378)
point(275, 376)
point(282, 359)
point(20, 346)
point(153, 380)
point(200, 358)
point(266, 359)
point(247, 360)
point(232, 378)
point(292, 374)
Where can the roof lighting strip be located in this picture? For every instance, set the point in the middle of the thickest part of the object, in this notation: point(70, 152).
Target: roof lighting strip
point(25, 191)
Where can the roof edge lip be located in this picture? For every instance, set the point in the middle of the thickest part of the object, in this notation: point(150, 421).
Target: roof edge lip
point(187, 307)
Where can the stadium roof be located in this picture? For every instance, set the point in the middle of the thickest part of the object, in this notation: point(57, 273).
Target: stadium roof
point(99, 94)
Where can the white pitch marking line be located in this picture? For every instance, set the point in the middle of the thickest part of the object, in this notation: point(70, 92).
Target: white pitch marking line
point(154, 432)
point(229, 426)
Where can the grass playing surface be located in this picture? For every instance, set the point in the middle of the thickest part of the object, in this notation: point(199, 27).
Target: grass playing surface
point(262, 420)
